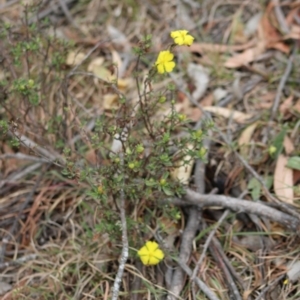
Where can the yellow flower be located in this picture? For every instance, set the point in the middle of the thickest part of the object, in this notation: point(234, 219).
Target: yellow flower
point(164, 62)
point(181, 37)
point(150, 254)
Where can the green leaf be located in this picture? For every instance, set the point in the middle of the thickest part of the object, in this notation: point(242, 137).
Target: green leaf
point(255, 188)
point(294, 163)
point(167, 191)
point(269, 181)
point(278, 142)
point(151, 182)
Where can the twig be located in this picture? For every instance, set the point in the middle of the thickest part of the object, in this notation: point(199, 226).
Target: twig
point(280, 17)
point(47, 11)
point(67, 13)
point(188, 236)
point(35, 147)
point(218, 246)
point(281, 85)
point(245, 89)
point(207, 243)
point(193, 223)
point(124, 254)
point(125, 247)
point(228, 278)
point(7, 4)
point(239, 205)
point(199, 178)
point(111, 85)
point(18, 261)
point(269, 286)
point(20, 174)
point(203, 287)
point(22, 156)
point(72, 72)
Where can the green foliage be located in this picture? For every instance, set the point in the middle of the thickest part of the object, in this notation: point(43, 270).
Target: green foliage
point(33, 63)
point(148, 152)
point(15, 142)
point(26, 88)
point(293, 162)
point(277, 144)
point(149, 149)
point(255, 188)
point(3, 127)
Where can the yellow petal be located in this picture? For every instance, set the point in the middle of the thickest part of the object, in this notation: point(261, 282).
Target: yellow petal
point(178, 33)
point(169, 66)
point(143, 251)
point(189, 40)
point(181, 37)
point(151, 246)
point(160, 69)
point(145, 260)
point(159, 254)
point(153, 261)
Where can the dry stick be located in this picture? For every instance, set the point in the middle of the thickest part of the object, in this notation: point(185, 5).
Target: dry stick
point(207, 243)
point(280, 17)
point(281, 85)
point(225, 259)
point(72, 72)
point(203, 287)
point(239, 205)
point(244, 206)
point(245, 89)
point(18, 261)
point(7, 4)
point(218, 258)
point(47, 11)
point(20, 174)
point(185, 250)
point(269, 286)
point(67, 13)
point(35, 147)
point(189, 233)
point(22, 156)
point(125, 247)
point(200, 185)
